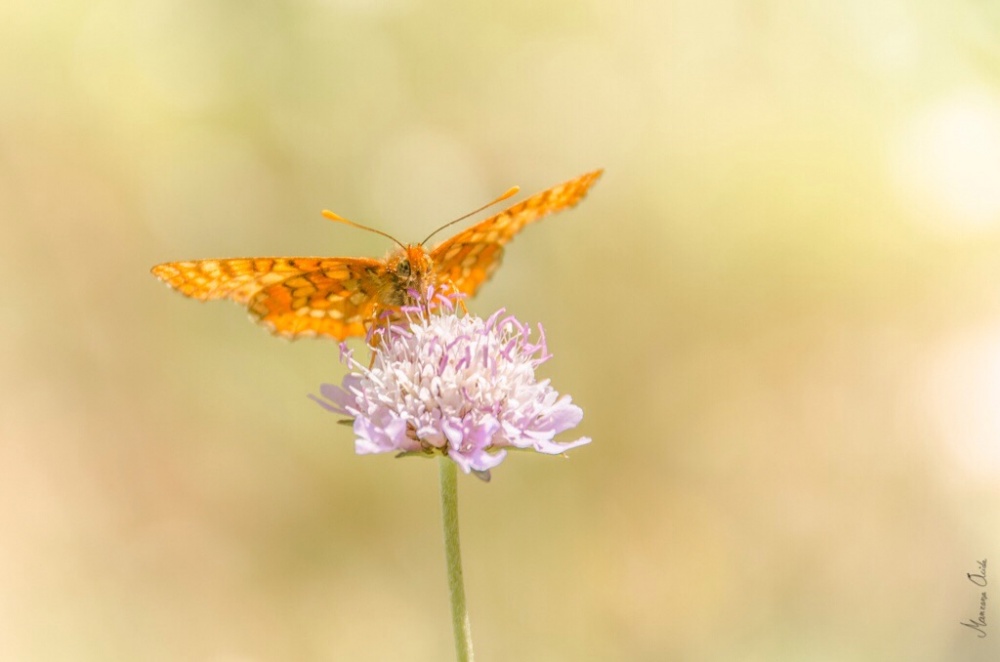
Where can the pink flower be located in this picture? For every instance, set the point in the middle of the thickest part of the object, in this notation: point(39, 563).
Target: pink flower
point(442, 383)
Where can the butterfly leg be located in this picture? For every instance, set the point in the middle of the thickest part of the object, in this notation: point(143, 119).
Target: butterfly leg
point(374, 339)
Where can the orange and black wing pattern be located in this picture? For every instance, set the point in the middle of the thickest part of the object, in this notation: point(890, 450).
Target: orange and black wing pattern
point(469, 258)
point(292, 296)
point(339, 297)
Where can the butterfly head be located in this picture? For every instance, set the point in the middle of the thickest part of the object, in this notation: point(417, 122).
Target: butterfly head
point(409, 269)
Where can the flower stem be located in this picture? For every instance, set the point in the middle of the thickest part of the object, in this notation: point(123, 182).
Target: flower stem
point(453, 553)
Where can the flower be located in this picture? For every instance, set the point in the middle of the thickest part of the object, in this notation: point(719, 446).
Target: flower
point(458, 385)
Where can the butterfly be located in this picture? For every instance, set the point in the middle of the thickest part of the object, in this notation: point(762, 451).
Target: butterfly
point(339, 297)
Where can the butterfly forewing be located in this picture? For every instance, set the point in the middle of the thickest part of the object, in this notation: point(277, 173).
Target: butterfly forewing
point(232, 278)
point(469, 258)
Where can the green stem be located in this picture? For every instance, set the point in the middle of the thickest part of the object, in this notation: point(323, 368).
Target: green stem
point(453, 553)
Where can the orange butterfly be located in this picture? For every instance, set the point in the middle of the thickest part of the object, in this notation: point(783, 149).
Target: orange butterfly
point(338, 296)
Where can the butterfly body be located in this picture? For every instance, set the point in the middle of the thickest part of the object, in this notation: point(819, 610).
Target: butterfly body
point(339, 296)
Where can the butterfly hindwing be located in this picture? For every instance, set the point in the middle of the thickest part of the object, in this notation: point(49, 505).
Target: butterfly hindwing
point(336, 300)
point(290, 295)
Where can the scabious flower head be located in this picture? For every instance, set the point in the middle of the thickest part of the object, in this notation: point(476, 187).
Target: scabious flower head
point(444, 383)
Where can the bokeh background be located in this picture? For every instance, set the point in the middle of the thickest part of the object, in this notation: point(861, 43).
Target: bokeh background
point(779, 309)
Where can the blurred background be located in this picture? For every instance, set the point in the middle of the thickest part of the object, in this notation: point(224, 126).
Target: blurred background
point(779, 310)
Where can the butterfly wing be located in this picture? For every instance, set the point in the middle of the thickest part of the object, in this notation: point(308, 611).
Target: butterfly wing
point(469, 258)
point(292, 296)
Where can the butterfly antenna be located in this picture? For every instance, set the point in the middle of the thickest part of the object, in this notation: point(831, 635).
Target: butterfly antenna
point(510, 192)
point(340, 219)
